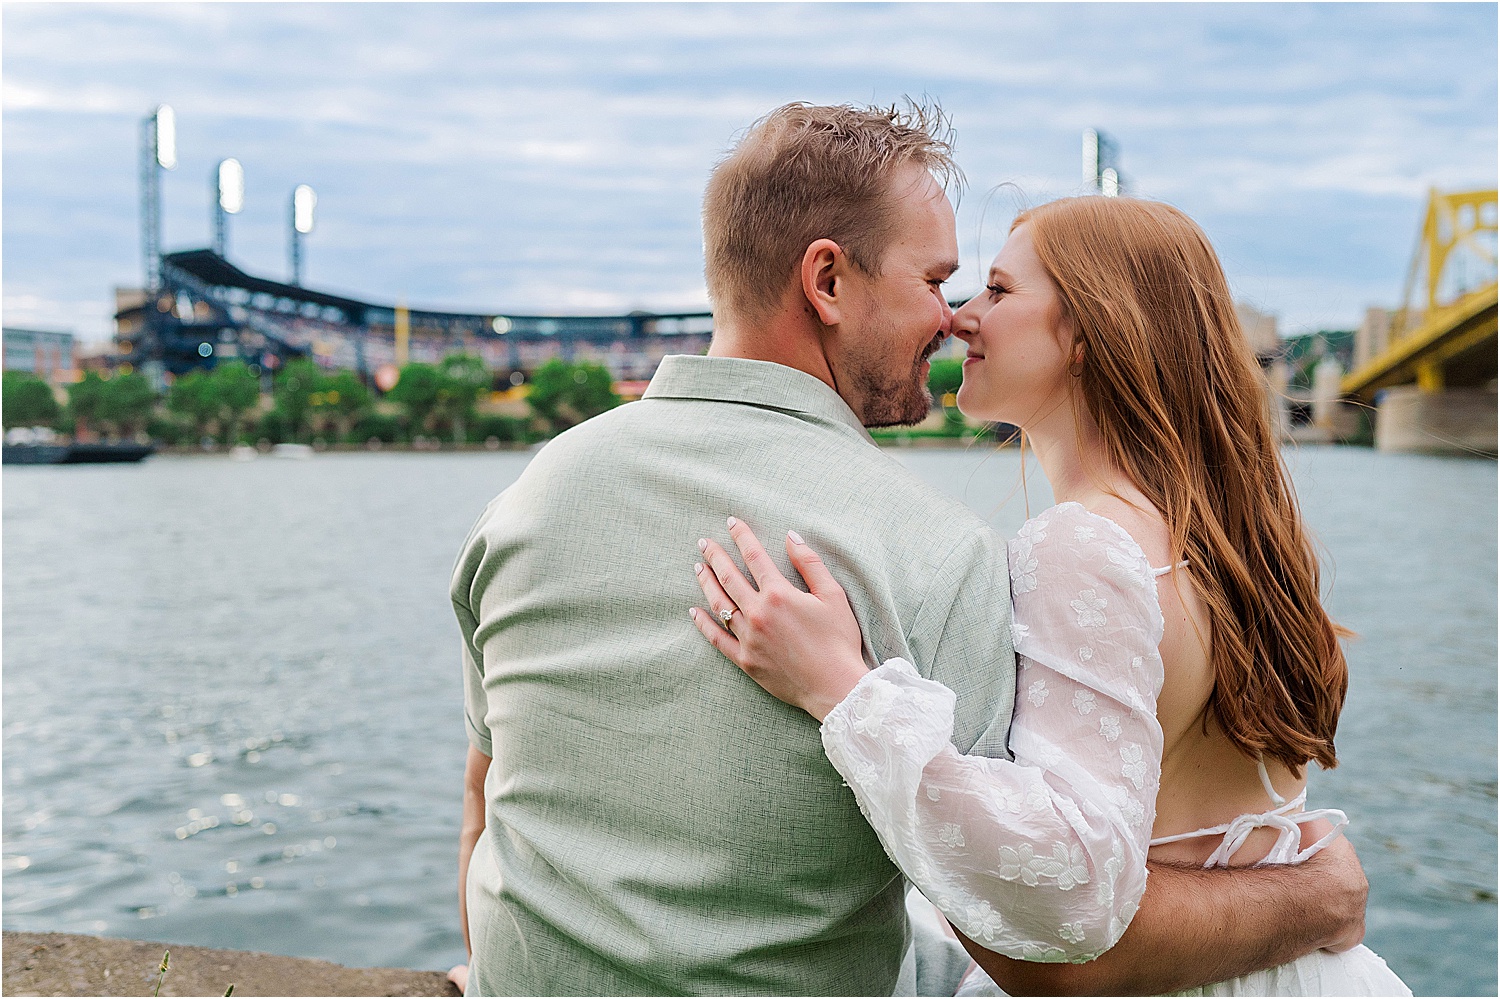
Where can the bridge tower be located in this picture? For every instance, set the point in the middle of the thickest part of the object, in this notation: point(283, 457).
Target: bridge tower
point(1430, 366)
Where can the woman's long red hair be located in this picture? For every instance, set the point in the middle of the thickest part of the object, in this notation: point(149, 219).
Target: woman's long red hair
point(1177, 394)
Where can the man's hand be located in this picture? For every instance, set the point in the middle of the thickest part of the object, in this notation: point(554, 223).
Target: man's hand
point(1345, 889)
point(1196, 927)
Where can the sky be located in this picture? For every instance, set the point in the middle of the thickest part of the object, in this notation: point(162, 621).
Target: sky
point(550, 158)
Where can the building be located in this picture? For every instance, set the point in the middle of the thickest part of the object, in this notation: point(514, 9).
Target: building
point(1261, 333)
point(1372, 337)
point(48, 354)
point(208, 310)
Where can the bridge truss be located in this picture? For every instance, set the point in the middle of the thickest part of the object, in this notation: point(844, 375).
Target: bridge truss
point(1444, 333)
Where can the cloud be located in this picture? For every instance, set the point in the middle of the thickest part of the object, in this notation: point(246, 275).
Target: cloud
point(550, 157)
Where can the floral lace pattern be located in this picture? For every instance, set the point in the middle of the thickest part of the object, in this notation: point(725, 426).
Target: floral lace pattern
point(1043, 858)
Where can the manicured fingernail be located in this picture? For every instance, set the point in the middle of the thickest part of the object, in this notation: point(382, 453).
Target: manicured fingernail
point(693, 613)
point(703, 544)
point(796, 538)
point(698, 568)
point(733, 523)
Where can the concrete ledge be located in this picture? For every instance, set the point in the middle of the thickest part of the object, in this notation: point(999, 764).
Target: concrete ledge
point(62, 964)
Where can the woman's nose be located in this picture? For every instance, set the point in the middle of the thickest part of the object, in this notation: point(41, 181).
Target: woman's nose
point(966, 317)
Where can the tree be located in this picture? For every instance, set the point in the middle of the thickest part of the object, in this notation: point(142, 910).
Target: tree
point(84, 401)
point(28, 401)
point(946, 376)
point(565, 394)
point(125, 404)
point(294, 387)
point(193, 396)
point(234, 389)
point(343, 398)
point(943, 381)
point(418, 391)
point(465, 378)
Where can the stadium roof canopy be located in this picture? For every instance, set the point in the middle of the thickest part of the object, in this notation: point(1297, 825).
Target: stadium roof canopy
point(212, 269)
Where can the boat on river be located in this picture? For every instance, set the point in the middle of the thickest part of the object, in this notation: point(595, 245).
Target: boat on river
point(74, 454)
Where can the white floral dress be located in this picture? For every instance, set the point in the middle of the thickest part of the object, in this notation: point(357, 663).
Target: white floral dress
point(1042, 858)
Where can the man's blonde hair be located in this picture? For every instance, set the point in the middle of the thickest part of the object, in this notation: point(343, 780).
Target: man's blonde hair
point(806, 172)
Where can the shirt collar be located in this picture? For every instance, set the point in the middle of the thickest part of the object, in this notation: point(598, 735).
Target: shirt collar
point(752, 383)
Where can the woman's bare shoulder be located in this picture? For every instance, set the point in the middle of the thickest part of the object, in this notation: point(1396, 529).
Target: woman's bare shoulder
point(1138, 518)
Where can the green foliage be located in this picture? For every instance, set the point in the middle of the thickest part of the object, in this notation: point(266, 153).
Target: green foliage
point(946, 376)
point(166, 431)
point(84, 400)
point(311, 400)
point(564, 394)
point(27, 401)
point(120, 405)
point(235, 389)
point(125, 404)
point(380, 426)
point(294, 387)
point(344, 393)
point(417, 391)
point(274, 427)
point(441, 395)
point(506, 429)
point(193, 396)
point(465, 378)
point(338, 402)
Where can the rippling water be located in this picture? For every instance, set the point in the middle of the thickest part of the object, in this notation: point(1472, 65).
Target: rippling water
point(232, 708)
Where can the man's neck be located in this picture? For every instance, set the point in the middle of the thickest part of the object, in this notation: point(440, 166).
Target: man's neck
point(780, 339)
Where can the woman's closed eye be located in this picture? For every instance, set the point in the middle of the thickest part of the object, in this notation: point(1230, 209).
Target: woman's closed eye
point(995, 290)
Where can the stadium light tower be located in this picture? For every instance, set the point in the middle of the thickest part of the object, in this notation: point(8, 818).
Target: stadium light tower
point(229, 198)
point(158, 153)
point(303, 203)
point(1101, 164)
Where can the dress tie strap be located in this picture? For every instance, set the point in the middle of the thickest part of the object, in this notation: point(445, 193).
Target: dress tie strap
point(1265, 782)
point(1285, 819)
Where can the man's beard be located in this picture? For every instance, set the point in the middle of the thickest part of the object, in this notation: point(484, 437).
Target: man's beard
point(896, 401)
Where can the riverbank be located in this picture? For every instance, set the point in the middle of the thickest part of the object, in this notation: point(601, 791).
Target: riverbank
point(63, 964)
point(884, 439)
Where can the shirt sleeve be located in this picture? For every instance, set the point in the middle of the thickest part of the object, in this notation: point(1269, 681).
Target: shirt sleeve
point(476, 704)
point(1042, 858)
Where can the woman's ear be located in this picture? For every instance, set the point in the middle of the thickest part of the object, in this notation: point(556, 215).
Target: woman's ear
point(822, 273)
point(1076, 367)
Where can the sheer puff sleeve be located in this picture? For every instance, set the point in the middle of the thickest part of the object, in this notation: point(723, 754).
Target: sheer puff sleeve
point(1043, 858)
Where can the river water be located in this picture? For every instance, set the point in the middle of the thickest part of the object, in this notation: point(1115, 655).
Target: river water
point(232, 705)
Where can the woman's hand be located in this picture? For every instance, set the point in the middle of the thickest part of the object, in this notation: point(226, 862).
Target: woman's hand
point(804, 648)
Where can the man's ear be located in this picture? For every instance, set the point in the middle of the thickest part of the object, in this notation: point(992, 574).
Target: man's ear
point(823, 273)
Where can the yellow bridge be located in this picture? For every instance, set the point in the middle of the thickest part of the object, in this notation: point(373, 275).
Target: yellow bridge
point(1433, 375)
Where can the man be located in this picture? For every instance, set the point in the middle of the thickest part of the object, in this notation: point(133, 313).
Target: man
point(639, 817)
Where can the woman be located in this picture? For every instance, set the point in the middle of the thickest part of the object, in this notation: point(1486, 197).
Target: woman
point(1177, 669)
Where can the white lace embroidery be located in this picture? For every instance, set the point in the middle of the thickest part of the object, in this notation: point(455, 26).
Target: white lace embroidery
point(1043, 859)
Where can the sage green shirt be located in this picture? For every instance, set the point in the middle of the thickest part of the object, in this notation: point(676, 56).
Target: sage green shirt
point(655, 822)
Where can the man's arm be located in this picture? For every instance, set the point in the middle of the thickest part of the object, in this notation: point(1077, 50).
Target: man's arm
point(475, 769)
point(1199, 926)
